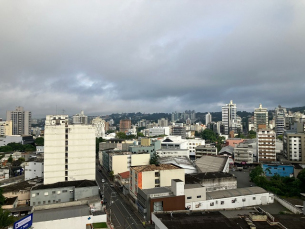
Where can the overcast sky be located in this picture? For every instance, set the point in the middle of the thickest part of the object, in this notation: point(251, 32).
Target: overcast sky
point(150, 56)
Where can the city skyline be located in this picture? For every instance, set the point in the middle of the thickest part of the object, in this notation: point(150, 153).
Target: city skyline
point(128, 56)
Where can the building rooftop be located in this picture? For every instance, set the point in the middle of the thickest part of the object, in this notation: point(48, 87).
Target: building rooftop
point(125, 175)
point(24, 185)
point(196, 178)
point(227, 149)
point(211, 163)
point(157, 190)
point(175, 160)
point(77, 184)
point(10, 201)
point(191, 186)
point(144, 168)
point(60, 213)
point(235, 192)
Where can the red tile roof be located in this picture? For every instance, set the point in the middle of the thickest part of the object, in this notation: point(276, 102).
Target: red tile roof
point(124, 175)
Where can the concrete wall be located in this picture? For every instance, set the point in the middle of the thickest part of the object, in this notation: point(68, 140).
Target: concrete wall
point(167, 175)
point(218, 184)
point(194, 194)
point(140, 159)
point(51, 196)
point(85, 192)
point(232, 202)
point(33, 169)
point(288, 205)
point(75, 222)
point(119, 163)
point(23, 196)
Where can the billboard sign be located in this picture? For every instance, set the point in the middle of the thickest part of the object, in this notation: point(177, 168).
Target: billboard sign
point(24, 223)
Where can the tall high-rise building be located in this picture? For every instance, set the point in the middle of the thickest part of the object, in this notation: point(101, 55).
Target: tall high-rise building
point(162, 122)
point(260, 117)
point(266, 145)
point(208, 118)
point(279, 115)
point(228, 116)
point(69, 150)
point(125, 125)
point(80, 118)
point(21, 121)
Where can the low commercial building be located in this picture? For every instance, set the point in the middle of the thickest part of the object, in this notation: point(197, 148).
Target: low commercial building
point(212, 181)
point(158, 131)
point(212, 164)
point(151, 176)
point(172, 153)
point(21, 190)
point(205, 150)
point(230, 199)
point(63, 192)
point(281, 170)
point(161, 199)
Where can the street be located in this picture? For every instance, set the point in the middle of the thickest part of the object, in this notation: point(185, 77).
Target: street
point(122, 216)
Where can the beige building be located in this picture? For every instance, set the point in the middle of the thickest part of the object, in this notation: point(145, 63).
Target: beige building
point(21, 121)
point(6, 128)
point(121, 162)
point(69, 150)
point(151, 176)
point(294, 145)
point(145, 142)
point(260, 117)
point(266, 145)
point(21, 190)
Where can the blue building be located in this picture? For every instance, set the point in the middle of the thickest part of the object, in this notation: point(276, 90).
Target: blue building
point(282, 170)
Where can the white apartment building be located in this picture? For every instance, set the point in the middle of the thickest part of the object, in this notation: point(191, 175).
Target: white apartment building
point(208, 118)
point(99, 125)
point(260, 117)
point(157, 131)
point(80, 118)
point(33, 169)
point(228, 116)
point(6, 128)
point(176, 142)
point(151, 176)
point(69, 150)
point(121, 162)
point(266, 145)
point(21, 121)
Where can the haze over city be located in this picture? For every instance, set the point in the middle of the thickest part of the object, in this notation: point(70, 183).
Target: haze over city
point(150, 56)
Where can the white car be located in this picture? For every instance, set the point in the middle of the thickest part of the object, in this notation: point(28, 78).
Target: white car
point(103, 180)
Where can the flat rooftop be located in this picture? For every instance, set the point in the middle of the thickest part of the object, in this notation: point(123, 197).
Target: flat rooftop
point(156, 190)
point(145, 168)
point(24, 185)
point(196, 178)
point(235, 192)
point(77, 184)
point(60, 213)
point(211, 164)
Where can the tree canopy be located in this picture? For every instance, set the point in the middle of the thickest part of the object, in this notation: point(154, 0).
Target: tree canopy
point(5, 219)
point(39, 141)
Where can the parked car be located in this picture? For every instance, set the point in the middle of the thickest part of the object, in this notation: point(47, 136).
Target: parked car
point(103, 180)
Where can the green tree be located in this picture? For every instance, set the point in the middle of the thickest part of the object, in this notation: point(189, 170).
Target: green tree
point(15, 146)
point(252, 134)
point(257, 171)
point(29, 148)
point(5, 219)
point(10, 159)
point(39, 141)
point(2, 198)
point(121, 135)
point(154, 159)
point(301, 177)
point(139, 134)
point(209, 135)
point(6, 149)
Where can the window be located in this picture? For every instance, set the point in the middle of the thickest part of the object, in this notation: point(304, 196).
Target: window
point(43, 202)
point(58, 192)
point(49, 201)
point(212, 204)
point(189, 197)
point(46, 193)
point(53, 201)
point(39, 202)
point(157, 174)
point(157, 181)
point(244, 199)
point(33, 195)
point(59, 200)
point(254, 198)
point(53, 192)
point(198, 196)
point(34, 203)
point(64, 191)
point(37, 194)
point(222, 202)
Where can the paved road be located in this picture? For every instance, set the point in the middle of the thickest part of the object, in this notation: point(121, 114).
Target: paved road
point(122, 216)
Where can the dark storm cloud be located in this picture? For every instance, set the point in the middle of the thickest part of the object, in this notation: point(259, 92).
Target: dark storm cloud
point(150, 56)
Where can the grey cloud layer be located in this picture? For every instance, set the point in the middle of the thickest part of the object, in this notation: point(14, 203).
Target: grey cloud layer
point(123, 56)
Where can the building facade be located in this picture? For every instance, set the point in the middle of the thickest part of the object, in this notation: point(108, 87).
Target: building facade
point(260, 117)
point(100, 127)
point(21, 121)
point(69, 150)
point(208, 118)
point(33, 169)
point(6, 128)
point(280, 113)
point(266, 145)
point(228, 116)
point(80, 118)
point(294, 146)
point(125, 125)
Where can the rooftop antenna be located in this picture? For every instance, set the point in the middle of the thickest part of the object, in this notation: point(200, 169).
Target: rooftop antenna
point(63, 111)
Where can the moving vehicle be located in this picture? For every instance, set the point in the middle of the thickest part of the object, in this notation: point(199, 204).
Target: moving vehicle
point(103, 180)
